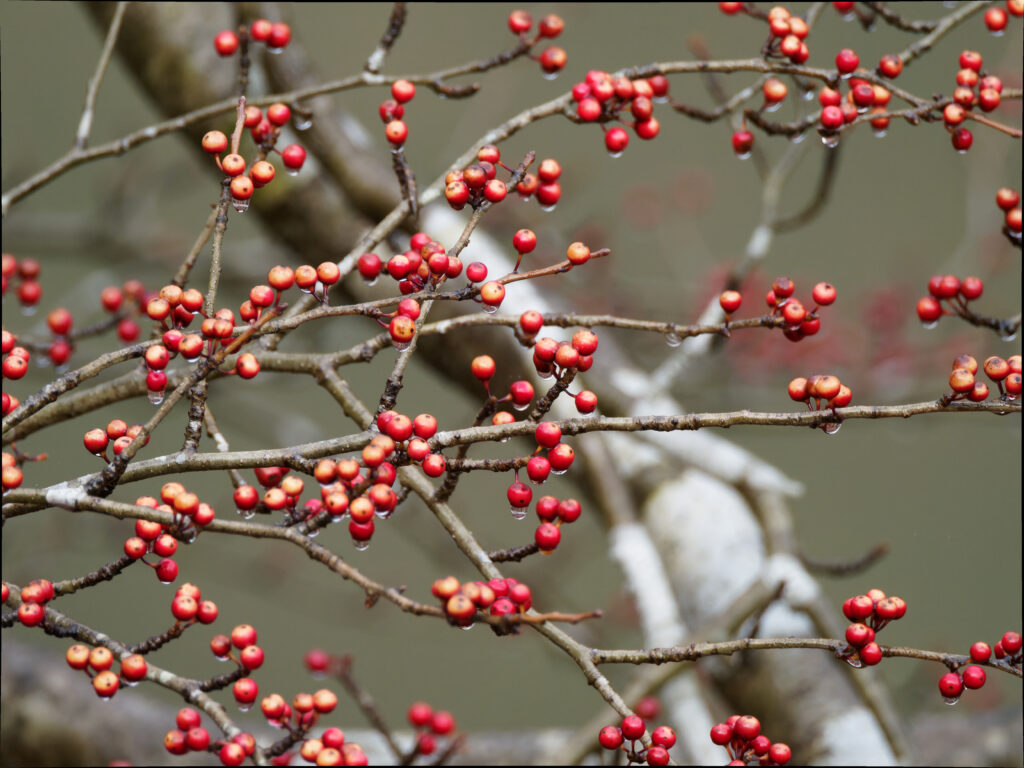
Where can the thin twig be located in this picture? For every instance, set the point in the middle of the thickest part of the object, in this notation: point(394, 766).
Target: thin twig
point(85, 124)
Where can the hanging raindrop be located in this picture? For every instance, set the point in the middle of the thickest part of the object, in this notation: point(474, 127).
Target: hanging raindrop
point(519, 513)
point(673, 340)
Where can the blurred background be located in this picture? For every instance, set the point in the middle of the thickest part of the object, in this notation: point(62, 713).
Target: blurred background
point(943, 491)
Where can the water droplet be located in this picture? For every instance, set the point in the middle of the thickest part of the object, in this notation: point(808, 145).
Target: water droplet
point(313, 534)
point(302, 123)
point(61, 369)
point(190, 536)
point(549, 75)
point(831, 141)
point(615, 154)
point(519, 513)
point(382, 514)
point(503, 439)
point(660, 99)
point(559, 471)
point(546, 208)
point(796, 138)
point(545, 374)
point(773, 107)
point(743, 155)
point(129, 683)
point(42, 361)
point(490, 309)
point(854, 661)
point(166, 582)
point(996, 33)
point(672, 339)
point(880, 133)
point(106, 699)
point(192, 359)
point(524, 406)
point(292, 171)
point(961, 151)
point(830, 428)
point(360, 546)
point(28, 310)
point(846, 76)
point(951, 700)
point(240, 205)
point(156, 397)
point(1010, 336)
point(467, 626)
point(807, 95)
point(929, 326)
point(373, 282)
point(244, 707)
point(274, 51)
point(401, 346)
point(247, 514)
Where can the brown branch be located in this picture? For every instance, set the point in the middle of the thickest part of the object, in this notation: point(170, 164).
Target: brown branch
point(395, 24)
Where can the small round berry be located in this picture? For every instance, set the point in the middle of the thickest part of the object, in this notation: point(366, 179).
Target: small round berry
point(106, 684)
point(780, 753)
point(995, 19)
point(280, 35)
point(551, 26)
point(492, 293)
point(973, 676)
point(847, 61)
point(403, 91)
point(747, 727)
point(929, 310)
point(824, 294)
point(657, 756)
point(610, 737)
point(616, 139)
point(396, 132)
point(950, 685)
point(890, 66)
point(293, 156)
point(870, 654)
point(742, 142)
point(577, 253)
point(226, 42)
point(730, 301)
point(524, 241)
point(1011, 643)
point(961, 380)
point(483, 367)
point(553, 59)
point(586, 401)
point(519, 21)
point(633, 727)
point(962, 139)
point(980, 651)
point(547, 536)
point(664, 736)
point(721, 734)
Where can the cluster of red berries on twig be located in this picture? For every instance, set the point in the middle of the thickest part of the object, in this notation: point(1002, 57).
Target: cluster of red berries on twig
point(870, 613)
point(955, 292)
point(26, 270)
point(97, 663)
point(1008, 201)
point(500, 597)
point(478, 183)
point(799, 321)
point(1005, 373)
point(558, 458)
point(552, 513)
point(552, 59)
point(952, 684)
point(118, 431)
point(632, 730)
point(275, 35)
point(15, 364)
point(787, 32)
point(190, 736)
point(34, 598)
point(392, 110)
point(987, 98)
point(742, 738)
point(190, 514)
point(602, 99)
point(426, 261)
point(429, 724)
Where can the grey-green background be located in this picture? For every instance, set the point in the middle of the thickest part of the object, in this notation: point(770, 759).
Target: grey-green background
point(943, 491)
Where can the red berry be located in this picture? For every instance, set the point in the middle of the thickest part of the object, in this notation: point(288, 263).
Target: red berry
point(980, 651)
point(747, 727)
point(610, 737)
point(403, 91)
point(293, 156)
point(721, 734)
point(973, 676)
point(847, 61)
point(823, 294)
point(226, 42)
point(890, 66)
point(519, 495)
point(519, 21)
point(633, 727)
point(929, 310)
point(730, 301)
point(995, 19)
point(962, 139)
point(742, 141)
point(547, 536)
point(1011, 643)
point(950, 685)
point(871, 654)
point(279, 37)
point(664, 736)
point(616, 139)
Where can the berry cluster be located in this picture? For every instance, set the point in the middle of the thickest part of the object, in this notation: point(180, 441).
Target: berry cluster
point(345, 489)
point(461, 601)
point(951, 289)
point(190, 736)
point(265, 132)
point(861, 97)
point(742, 738)
point(823, 389)
point(97, 440)
point(15, 364)
point(276, 36)
point(870, 613)
point(557, 460)
point(26, 270)
point(424, 262)
point(97, 662)
point(552, 59)
point(799, 321)
point(429, 724)
point(392, 111)
point(987, 97)
point(602, 99)
point(190, 514)
point(113, 300)
point(552, 514)
point(952, 684)
point(1005, 373)
point(1008, 201)
point(331, 749)
point(34, 598)
point(478, 183)
point(632, 729)
point(787, 32)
